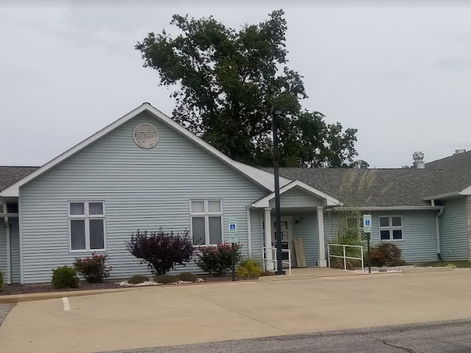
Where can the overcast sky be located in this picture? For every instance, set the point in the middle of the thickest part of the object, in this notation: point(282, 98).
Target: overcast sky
point(400, 74)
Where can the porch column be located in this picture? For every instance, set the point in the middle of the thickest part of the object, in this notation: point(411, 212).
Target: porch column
point(269, 265)
point(8, 239)
point(320, 223)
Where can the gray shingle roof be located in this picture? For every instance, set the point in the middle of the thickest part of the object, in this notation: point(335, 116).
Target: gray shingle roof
point(10, 175)
point(457, 172)
point(371, 187)
point(388, 187)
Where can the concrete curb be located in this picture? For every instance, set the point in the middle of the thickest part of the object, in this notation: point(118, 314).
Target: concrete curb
point(18, 298)
point(305, 277)
point(427, 269)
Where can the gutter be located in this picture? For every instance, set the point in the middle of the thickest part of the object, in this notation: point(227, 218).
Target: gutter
point(437, 226)
point(442, 196)
point(389, 208)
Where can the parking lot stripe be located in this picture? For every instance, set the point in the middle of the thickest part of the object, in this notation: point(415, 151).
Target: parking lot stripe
point(66, 304)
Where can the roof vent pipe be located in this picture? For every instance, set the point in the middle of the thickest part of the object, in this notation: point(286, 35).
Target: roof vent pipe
point(461, 150)
point(418, 160)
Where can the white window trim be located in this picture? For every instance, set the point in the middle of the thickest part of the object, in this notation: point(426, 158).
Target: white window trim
point(206, 214)
point(86, 216)
point(391, 228)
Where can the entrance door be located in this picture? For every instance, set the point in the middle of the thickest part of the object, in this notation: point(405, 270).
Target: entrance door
point(286, 238)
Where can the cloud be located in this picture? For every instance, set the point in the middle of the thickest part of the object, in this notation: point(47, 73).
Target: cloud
point(454, 64)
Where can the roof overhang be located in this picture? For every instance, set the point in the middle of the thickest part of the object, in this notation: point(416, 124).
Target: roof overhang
point(328, 200)
point(466, 191)
point(444, 196)
point(389, 208)
point(260, 177)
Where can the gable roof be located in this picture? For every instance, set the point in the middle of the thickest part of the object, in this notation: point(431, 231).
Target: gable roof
point(457, 173)
point(260, 177)
point(329, 200)
point(371, 187)
point(10, 175)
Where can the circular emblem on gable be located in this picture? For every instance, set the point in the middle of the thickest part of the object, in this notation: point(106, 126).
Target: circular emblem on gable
point(146, 136)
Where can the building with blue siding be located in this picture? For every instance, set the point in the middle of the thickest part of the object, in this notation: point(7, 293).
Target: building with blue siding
point(145, 171)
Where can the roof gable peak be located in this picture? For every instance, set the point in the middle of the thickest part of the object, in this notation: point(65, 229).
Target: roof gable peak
point(258, 176)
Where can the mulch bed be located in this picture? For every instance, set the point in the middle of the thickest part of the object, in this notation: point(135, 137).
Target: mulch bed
point(15, 289)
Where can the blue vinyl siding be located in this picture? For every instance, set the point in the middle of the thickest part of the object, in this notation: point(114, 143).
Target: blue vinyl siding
point(257, 233)
point(142, 189)
point(305, 228)
point(419, 233)
point(297, 197)
point(15, 251)
point(453, 235)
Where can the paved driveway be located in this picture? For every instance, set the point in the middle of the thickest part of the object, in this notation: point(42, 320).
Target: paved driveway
point(214, 312)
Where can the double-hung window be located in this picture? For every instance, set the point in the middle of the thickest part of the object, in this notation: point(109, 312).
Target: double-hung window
point(390, 228)
point(206, 221)
point(87, 225)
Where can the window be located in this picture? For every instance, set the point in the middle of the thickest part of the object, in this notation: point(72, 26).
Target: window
point(390, 228)
point(206, 221)
point(87, 225)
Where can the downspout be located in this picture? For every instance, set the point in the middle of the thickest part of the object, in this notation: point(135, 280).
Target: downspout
point(8, 235)
point(437, 226)
point(249, 230)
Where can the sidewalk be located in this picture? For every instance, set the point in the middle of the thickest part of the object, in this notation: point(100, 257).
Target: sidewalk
point(172, 315)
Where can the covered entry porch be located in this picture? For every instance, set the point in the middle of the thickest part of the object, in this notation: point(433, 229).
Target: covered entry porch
point(302, 225)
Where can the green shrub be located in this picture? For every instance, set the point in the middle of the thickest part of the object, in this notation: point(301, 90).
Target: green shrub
point(137, 279)
point(165, 279)
point(188, 277)
point(65, 277)
point(93, 268)
point(217, 259)
point(249, 268)
point(1, 280)
point(386, 254)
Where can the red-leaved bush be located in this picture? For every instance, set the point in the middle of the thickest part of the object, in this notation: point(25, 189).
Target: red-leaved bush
point(217, 259)
point(93, 268)
point(160, 250)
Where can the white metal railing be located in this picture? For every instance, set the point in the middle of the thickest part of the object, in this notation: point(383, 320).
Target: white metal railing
point(344, 256)
point(274, 260)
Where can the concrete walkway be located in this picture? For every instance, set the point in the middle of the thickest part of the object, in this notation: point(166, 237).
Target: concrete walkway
point(172, 315)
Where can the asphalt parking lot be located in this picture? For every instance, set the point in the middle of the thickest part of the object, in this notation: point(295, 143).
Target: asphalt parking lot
point(175, 315)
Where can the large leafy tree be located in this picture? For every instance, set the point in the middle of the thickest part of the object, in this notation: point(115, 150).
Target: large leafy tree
point(230, 82)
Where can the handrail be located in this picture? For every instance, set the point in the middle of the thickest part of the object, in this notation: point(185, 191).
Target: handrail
point(274, 260)
point(344, 257)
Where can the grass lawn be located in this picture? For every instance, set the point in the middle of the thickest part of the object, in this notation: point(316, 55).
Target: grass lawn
point(458, 264)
